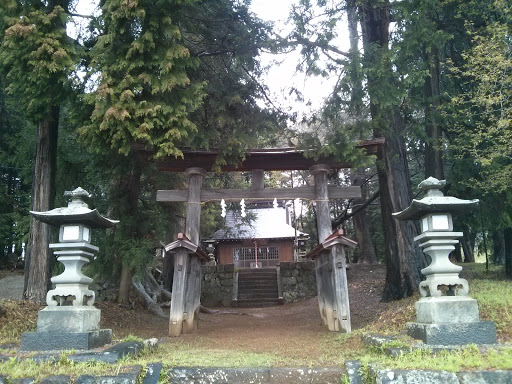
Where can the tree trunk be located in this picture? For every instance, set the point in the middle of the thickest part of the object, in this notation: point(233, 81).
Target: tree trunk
point(508, 252)
point(125, 282)
point(498, 246)
point(456, 254)
point(354, 70)
point(433, 153)
point(404, 259)
point(132, 192)
point(37, 258)
point(364, 239)
point(468, 248)
point(168, 271)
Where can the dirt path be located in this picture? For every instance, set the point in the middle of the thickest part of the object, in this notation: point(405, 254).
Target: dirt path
point(291, 331)
point(260, 327)
point(11, 286)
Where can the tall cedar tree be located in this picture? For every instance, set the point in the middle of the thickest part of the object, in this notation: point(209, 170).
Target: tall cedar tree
point(403, 257)
point(37, 57)
point(144, 94)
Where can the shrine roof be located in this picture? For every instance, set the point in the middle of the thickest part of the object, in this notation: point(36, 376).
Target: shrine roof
point(261, 223)
point(268, 159)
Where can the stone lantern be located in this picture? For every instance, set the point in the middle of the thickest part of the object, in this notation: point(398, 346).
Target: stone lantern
point(70, 320)
point(445, 315)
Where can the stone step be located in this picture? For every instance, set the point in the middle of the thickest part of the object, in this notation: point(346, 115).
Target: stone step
point(257, 277)
point(258, 303)
point(256, 285)
point(256, 270)
point(270, 290)
point(257, 295)
point(257, 288)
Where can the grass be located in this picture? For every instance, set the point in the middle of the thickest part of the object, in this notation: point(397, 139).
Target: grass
point(16, 369)
point(490, 288)
point(468, 358)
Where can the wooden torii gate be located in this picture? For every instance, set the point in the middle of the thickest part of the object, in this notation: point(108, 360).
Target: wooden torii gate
point(333, 295)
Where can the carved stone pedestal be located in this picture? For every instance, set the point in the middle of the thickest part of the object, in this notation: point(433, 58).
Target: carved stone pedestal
point(445, 315)
point(70, 321)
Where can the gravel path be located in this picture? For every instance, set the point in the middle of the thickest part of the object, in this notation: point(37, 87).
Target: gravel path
point(11, 287)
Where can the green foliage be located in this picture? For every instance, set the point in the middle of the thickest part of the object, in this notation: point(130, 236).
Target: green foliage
point(144, 94)
point(36, 55)
point(483, 130)
point(226, 38)
point(15, 155)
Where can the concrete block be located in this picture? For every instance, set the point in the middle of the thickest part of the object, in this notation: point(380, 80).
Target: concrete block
point(306, 375)
point(27, 380)
point(110, 355)
point(3, 380)
point(388, 376)
point(352, 367)
point(482, 332)
point(218, 375)
point(447, 309)
point(58, 379)
point(485, 377)
point(152, 373)
point(47, 341)
point(68, 319)
point(122, 378)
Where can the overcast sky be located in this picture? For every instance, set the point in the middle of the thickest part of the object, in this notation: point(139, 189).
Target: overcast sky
point(281, 75)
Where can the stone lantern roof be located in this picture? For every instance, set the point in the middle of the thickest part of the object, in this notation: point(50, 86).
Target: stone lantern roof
point(434, 202)
point(77, 211)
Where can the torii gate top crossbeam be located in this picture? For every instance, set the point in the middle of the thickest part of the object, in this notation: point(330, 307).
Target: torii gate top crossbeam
point(275, 159)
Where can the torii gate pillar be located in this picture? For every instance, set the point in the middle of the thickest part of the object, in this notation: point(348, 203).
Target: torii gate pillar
point(186, 287)
point(330, 264)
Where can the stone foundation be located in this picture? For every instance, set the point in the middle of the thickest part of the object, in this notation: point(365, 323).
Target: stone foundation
point(217, 285)
point(48, 341)
point(298, 282)
point(481, 332)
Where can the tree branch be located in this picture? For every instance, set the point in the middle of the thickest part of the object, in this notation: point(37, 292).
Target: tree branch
point(345, 216)
point(311, 44)
point(153, 307)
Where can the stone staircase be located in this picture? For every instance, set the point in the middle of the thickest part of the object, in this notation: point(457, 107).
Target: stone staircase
point(258, 288)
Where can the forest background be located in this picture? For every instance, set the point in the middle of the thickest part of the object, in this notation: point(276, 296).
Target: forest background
point(431, 77)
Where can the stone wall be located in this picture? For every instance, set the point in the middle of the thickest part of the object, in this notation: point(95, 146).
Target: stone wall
point(217, 285)
point(298, 281)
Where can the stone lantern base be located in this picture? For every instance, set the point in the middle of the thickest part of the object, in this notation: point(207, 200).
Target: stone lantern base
point(67, 327)
point(450, 320)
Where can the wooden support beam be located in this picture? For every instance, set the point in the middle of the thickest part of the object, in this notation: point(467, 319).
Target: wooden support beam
point(273, 159)
point(342, 305)
point(192, 295)
point(186, 287)
point(321, 195)
point(330, 260)
point(178, 293)
point(323, 221)
point(195, 182)
point(258, 181)
point(306, 193)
